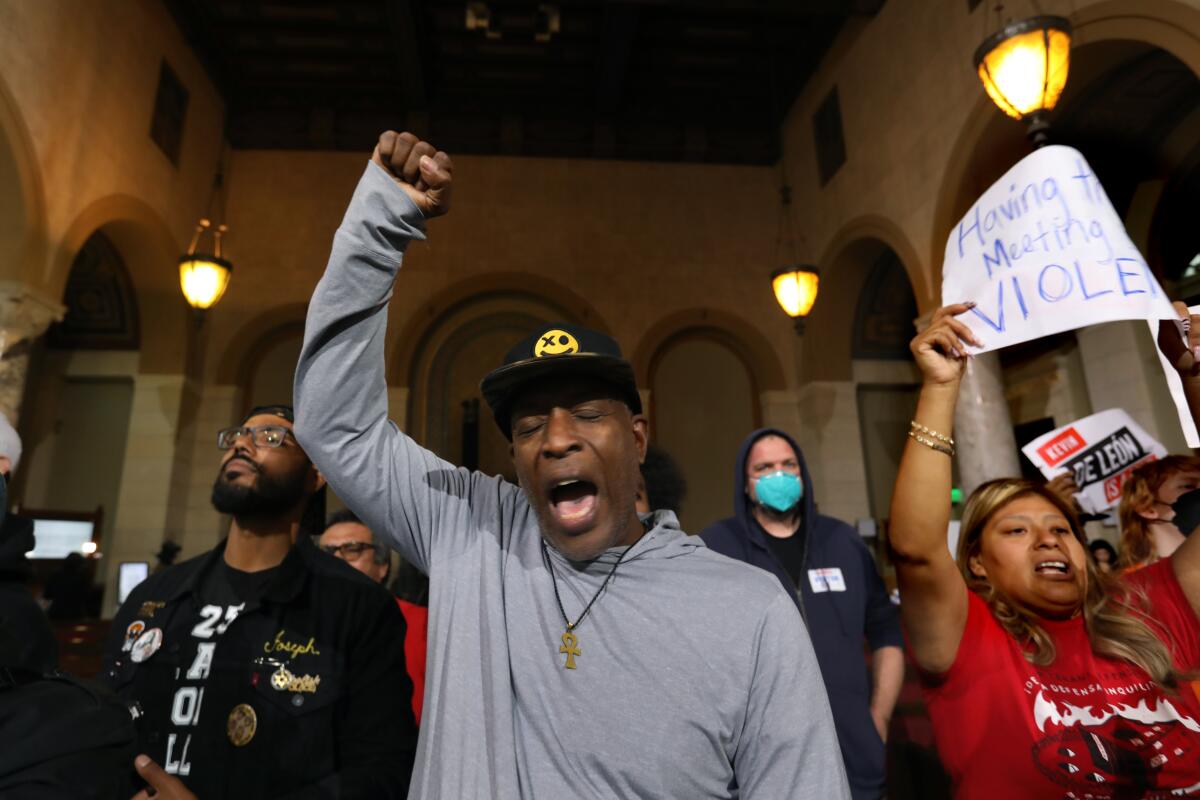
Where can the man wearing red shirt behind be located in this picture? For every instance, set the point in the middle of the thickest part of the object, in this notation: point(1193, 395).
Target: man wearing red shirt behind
point(348, 538)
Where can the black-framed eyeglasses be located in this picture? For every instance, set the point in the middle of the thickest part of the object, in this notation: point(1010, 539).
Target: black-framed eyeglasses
point(261, 435)
point(348, 550)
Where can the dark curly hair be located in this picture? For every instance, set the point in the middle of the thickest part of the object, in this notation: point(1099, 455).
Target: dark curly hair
point(665, 485)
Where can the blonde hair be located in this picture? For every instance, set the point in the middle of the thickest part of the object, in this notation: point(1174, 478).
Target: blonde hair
point(1139, 493)
point(1110, 607)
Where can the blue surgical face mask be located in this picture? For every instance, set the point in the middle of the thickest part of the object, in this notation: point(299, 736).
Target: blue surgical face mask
point(779, 491)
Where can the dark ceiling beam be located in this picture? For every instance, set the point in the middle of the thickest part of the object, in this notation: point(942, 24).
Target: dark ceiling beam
point(620, 29)
point(787, 8)
point(407, 41)
point(488, 135)
point(193, 22)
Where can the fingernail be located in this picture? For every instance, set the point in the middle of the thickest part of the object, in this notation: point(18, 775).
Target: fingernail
point(141, 761)
point(427, 161)
point(971, 304)
point(954, 352)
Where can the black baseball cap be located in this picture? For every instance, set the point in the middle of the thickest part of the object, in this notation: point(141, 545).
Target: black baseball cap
point(559, 348)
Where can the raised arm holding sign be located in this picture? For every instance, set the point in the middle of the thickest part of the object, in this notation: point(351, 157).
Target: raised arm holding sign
point(1042, 251)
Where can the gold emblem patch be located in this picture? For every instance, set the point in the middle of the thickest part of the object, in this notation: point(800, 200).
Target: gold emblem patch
point(555, 343)
point(281, 679)
point(241, 725)
point(304, 683)
point(149, 607)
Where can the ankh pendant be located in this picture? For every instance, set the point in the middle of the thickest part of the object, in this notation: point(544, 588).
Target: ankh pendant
point(569, 647)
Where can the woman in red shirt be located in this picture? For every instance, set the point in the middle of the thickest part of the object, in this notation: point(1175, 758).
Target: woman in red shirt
point(1044, 678)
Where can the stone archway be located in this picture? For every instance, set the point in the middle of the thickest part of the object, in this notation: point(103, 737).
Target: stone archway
point(705, 397)
point(861, 253)
point(149, 251)
point(449, 357)
point(22, 202)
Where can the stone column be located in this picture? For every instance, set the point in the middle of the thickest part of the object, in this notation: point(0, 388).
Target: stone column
point(983, 430)
point(24, 315)
point(984, 443)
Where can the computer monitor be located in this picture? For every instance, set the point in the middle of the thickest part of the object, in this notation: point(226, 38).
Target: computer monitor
point(129, 575)
point(58, 537)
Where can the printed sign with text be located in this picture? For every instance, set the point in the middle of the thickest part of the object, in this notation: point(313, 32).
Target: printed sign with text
point(1099, 451)
point(1042, 251)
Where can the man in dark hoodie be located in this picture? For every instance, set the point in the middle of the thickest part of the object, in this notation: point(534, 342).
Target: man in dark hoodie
point(829, 572)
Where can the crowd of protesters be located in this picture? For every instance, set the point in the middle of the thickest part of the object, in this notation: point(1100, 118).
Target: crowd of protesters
point(563, 637)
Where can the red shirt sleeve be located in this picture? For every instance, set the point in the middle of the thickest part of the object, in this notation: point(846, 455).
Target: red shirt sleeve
point(1170, 614)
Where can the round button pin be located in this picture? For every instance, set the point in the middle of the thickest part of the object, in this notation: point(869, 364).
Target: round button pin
point(146, 645)
point(241, 725)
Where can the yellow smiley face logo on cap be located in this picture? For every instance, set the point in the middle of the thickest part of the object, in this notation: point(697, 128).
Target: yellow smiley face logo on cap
point(555, 343)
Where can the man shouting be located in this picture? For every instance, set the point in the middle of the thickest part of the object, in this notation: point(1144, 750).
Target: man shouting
point(573, 650)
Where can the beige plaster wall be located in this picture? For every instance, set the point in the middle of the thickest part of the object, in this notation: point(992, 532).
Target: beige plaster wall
point(636, 242)
point(80, 126)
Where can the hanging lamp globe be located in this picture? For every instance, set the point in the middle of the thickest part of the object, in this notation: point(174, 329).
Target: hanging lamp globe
point(203, 277)
point(1024, 67)
point(795, 288)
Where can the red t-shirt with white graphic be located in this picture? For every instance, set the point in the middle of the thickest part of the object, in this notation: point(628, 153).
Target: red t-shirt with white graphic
point(1082, 728)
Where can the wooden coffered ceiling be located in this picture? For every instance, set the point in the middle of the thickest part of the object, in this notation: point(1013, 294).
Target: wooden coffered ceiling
point(664, 80)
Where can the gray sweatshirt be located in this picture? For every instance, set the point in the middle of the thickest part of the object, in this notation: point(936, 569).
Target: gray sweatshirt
point(694, 678)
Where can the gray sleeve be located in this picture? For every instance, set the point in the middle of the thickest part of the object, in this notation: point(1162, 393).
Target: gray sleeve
point(788, 746)
point(419, 503)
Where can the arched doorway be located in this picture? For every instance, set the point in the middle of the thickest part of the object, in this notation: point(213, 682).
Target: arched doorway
point(704, 401)
point(79, 395)
point(269, 371)
point(447, 413)
point(881, 363)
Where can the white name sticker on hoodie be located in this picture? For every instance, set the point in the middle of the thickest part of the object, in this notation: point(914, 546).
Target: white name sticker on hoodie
point(827, 579)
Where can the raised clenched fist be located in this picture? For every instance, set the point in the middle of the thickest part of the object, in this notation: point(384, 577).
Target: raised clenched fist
point(420, 169)
point(1179, 341)
point(941, 349)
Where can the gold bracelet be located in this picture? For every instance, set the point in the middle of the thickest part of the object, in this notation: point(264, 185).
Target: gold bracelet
point(916, 426)
point(931, 444)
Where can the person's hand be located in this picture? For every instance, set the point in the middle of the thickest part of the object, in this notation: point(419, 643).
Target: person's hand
point(1064, 486)
point(940, 350)
point(881, 725)
point(1183, 355)
point(166, 787)
point(420, 169)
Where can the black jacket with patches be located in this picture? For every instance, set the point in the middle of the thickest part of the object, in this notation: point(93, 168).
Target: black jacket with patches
point(211, 713)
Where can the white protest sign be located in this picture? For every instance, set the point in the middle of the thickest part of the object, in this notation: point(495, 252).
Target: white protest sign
point(1099, 451)
point(1176, 385)
point(1043, 251)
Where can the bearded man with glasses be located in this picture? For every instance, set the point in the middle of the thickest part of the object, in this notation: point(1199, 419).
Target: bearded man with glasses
point(265, 667)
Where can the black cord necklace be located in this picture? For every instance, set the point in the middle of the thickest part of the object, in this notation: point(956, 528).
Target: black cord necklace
point(569, 640)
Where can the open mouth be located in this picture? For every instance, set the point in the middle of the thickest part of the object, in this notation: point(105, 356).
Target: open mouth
point(1053, 568)
point(573, 503)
